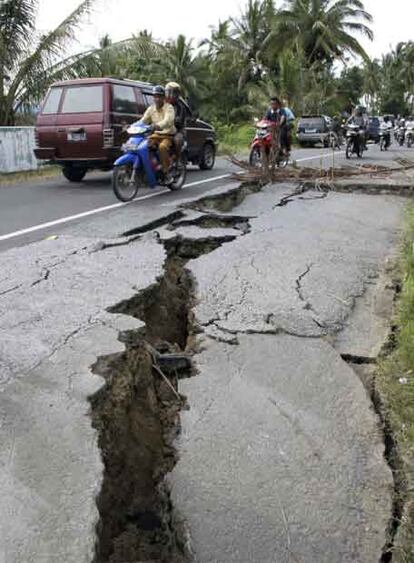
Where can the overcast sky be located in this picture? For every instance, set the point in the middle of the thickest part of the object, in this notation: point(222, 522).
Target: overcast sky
point(393, 21)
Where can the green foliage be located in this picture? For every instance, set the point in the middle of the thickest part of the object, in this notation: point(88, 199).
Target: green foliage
point(292, 52)
point(30, 62)
point(234, 138)
point(396, 384)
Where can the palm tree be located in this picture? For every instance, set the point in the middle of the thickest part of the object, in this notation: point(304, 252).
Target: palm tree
point(28, 67)
point(372, 83)
point(180, 64)
point(324, 28)
point(26, 71)
point(249, 37)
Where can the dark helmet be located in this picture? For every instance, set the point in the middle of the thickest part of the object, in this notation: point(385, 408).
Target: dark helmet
point(158, 91)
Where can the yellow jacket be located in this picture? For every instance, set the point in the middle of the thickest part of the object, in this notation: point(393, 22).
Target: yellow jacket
point(162, 118)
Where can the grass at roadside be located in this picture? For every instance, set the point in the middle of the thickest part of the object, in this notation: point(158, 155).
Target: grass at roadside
point(395, 382)
point(234, 139)
point(29, 176)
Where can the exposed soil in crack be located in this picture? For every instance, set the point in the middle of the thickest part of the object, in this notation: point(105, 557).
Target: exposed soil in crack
point(364, 368)
point(137, 413)
point(226, 201)
point(137, 416)
point(165, 220)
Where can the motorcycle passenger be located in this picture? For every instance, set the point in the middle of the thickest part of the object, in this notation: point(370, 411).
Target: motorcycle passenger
point(172, 94)
point(161, 117)
point(278, 114)
point(360, 120)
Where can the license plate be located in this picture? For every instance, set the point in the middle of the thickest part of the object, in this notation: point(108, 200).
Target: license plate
point(310, 130)
point(76, 137)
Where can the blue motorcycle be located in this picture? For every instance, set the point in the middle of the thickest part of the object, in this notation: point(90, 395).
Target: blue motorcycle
point(140, 165)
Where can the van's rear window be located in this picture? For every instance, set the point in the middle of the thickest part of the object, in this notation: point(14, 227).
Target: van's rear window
point(311, 122)
point(83, 99)
point(52, 102)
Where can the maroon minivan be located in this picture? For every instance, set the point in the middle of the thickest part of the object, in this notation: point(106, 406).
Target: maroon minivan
point(81, 125)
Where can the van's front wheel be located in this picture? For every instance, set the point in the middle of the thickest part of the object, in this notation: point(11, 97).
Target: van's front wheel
point(125, 182)
point(73, 174)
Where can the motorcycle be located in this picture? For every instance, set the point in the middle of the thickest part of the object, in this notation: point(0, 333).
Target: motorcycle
point(409, 137)
point(140, 165)
point(400, 136)
point(385, 139)
point(263, 143)
point(354, 142)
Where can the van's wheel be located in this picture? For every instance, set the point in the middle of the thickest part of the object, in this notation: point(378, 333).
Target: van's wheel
point(208, 157)
point(73, 174)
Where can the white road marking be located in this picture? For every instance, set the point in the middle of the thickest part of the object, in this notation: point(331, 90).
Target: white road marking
point(70, 218)
point(319, 156)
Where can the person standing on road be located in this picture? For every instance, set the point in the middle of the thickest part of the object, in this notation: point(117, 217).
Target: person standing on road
point(161, 118)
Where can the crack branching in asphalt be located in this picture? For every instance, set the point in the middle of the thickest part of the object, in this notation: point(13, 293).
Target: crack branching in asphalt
point(137, 412)
point(136, 415)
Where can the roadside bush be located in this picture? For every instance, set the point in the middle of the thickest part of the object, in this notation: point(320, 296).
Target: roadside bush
point(234, 138)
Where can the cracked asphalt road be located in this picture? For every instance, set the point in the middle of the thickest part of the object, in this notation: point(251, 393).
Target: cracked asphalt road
point(280, 457)
point(281, 452)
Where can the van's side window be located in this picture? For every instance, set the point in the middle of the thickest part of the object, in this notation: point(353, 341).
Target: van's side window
point(123, 99)
point(52, 102)
point(141, 103)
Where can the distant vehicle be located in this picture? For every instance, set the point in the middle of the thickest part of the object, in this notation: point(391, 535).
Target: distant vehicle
point(82, 123)
point(409, 137)
point(374, 128)
point(354, 144)
point(313, 129)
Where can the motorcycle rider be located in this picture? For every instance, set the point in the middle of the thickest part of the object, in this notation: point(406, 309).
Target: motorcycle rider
point(401, 130)
point(360, 120)
point(172, 96)
point(386, 128)
point(280, 116)
point(161, 116)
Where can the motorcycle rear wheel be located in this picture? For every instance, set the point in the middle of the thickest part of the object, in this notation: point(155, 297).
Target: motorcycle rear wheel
point(382, 144)
point(180, 175)
point(124, 189)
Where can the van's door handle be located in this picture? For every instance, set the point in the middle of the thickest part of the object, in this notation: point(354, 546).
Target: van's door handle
point(61, 130)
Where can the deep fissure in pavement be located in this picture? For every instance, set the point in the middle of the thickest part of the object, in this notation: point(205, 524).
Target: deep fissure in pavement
point(364, 368)
point(226, 201)
point(136, 415)
point(137, 412)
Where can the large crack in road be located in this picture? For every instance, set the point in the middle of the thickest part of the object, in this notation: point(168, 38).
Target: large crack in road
point(230, 427)
point(138, 520)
